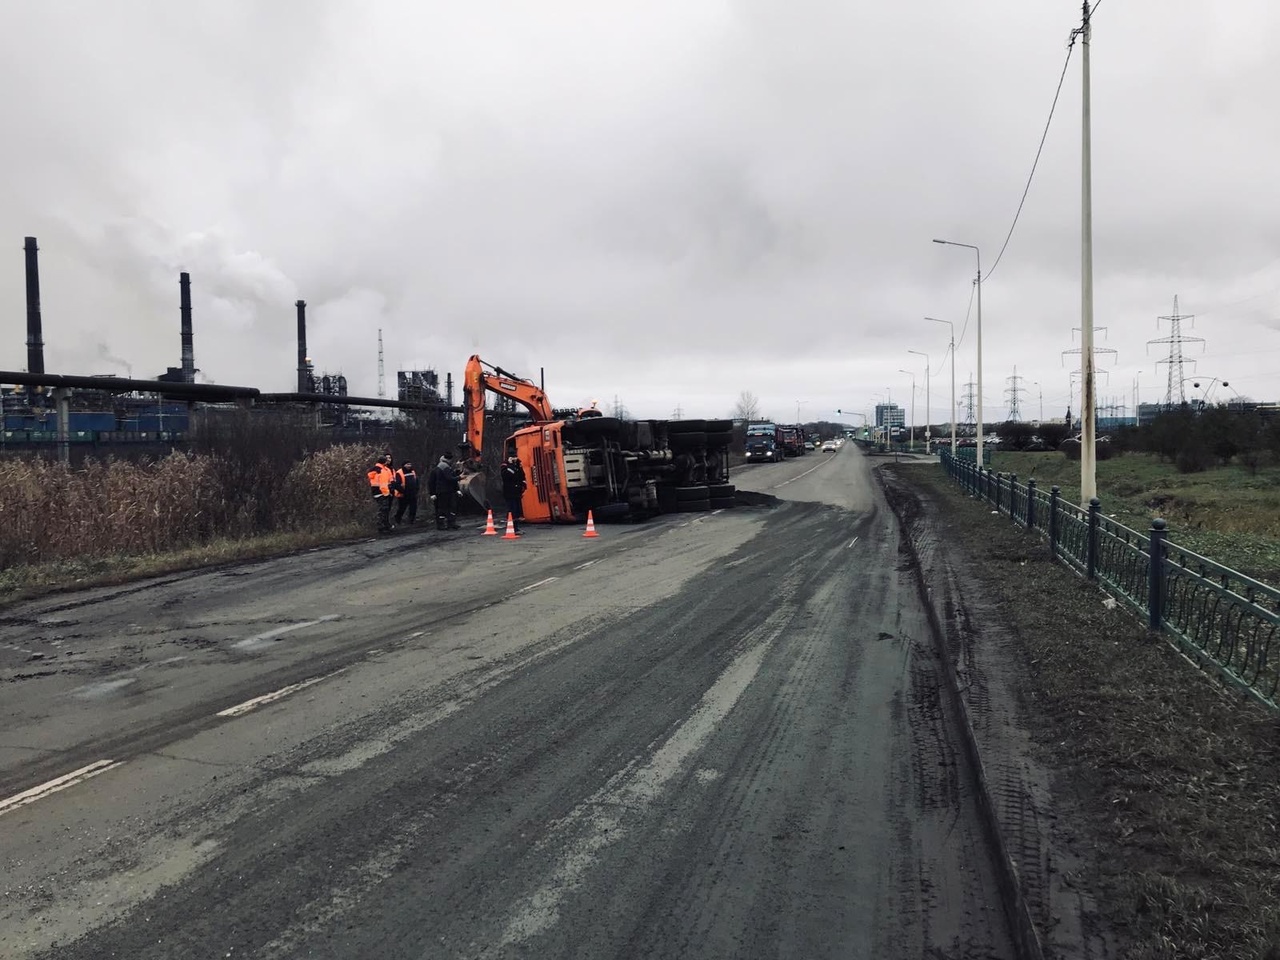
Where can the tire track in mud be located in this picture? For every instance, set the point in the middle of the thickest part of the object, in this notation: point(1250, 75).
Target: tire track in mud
point(1001, 795)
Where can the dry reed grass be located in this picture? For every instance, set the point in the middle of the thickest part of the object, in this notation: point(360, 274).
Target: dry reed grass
point(50, 512)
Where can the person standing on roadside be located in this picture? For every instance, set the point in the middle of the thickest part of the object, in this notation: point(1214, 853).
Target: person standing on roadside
point(408, 492)
point(442, 485)
point(381, 477)
point(513, 485)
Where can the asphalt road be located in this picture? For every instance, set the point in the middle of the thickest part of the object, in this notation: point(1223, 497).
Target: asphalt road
point(712, 735)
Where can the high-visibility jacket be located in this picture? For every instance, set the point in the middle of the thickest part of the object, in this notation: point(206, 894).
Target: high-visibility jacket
point(398, 488)
point(380, 477)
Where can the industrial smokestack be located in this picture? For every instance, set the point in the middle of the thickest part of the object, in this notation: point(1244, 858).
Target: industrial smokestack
point(188, 346)
point(35, 342)
point(304, 372)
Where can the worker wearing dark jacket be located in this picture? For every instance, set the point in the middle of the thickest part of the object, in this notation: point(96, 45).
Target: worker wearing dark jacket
point(442, 485)
point(408, 499)
point(513, 484)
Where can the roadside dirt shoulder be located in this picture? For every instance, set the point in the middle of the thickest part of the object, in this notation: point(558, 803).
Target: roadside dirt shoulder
point(1140, 801)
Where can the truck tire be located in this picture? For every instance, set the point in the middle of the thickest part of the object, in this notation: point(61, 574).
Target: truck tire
point(692, 493)
point(720, 490)
point(722, 503)
point(675, 427)
point(687, 441)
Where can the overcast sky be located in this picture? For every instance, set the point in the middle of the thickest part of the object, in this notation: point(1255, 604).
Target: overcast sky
point(668, 201)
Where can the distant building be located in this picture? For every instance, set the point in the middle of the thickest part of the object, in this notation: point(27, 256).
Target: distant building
point(890, 414)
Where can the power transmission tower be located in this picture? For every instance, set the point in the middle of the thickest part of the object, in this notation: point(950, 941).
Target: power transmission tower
point(1175, 395)
point(1014, 391)
point(970, 388)
point(382, 368)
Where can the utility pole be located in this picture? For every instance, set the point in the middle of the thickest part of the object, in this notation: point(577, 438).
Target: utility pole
point(928, 413)
point(1088, 432)
point(951, 347)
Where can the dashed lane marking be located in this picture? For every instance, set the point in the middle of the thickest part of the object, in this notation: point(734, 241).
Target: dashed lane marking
point(852, 542)
point(742, 560)
point(797, 477)
point(583, 566)
point(540, 583)
point(59, 783)
point(281, 631)
point(243, 708)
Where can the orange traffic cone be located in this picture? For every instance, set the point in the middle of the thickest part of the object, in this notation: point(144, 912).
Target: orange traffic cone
point(591, 526)
point(511, 529)
point(489, 530)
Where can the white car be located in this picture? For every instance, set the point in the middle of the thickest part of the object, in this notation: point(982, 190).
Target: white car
point(829, 446)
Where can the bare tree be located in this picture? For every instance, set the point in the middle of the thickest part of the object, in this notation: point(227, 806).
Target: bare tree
point(748, 407)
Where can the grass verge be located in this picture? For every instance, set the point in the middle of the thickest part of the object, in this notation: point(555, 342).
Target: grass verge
point(1228, 514)
point(25, 581)
point(1177, 780)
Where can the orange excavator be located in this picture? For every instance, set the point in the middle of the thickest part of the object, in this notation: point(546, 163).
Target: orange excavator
point(581, 460)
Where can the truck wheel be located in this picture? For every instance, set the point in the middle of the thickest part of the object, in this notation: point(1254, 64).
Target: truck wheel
point(720, 490)
point(687, 441)
point(686, 426)
point(692, 493)
point(722, 503)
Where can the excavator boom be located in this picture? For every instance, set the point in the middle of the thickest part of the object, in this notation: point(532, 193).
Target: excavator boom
point(476, 379)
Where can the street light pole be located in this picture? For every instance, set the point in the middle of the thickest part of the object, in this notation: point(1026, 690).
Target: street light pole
point(928, 406)
point(978, 254)
point(951, 347)
point(913, 407)
point(1088, 399)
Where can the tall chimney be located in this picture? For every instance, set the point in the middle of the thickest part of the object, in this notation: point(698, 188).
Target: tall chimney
point(188, 347)
point(304, 374)
point(35, 342)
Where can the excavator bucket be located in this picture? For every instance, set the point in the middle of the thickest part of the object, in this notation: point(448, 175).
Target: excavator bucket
point(474, 485)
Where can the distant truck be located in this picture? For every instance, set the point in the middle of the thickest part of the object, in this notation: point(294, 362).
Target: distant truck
point(793, 438)
point(765, 443)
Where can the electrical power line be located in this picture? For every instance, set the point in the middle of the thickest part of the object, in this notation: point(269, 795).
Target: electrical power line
point(1044, 136)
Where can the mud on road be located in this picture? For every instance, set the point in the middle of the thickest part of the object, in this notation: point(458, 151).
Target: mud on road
point(1144, 815)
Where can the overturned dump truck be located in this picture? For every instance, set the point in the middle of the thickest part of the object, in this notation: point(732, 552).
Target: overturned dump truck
point(582, 460)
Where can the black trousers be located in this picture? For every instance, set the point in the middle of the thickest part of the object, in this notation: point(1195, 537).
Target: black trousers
point(446, 510)
point(409, 502)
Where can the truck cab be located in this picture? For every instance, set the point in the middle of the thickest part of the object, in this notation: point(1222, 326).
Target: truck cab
point(765, 443)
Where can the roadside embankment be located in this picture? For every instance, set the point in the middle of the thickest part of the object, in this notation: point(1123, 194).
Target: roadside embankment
point(1146, 792)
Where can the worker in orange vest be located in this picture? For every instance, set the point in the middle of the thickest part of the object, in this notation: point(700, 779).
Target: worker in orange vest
point(381, 480)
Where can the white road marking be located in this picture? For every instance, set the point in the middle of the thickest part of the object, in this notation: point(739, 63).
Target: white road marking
point(59, 783)
point(281, 631)
point(852, 542)
point(603, 818)
point(242, 708)
point(540, 583)
point(805, 474)
point(121, 680)
point(742, 560)
point(583, 566)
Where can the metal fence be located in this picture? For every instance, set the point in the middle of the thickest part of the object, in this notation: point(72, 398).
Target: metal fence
point(1216, 617)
